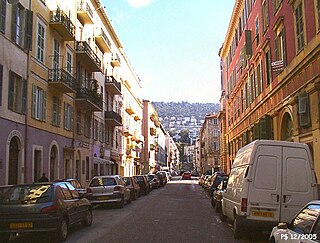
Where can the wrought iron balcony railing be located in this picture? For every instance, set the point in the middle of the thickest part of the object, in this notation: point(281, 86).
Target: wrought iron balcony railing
point(61, 22)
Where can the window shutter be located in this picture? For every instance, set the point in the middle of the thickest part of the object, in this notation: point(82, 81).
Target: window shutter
point(283, 34)
point(3, 15)
point(65, 115)
point(256, 130)
point(28, 31)
point(276, 49)
point(24, 96)
point(55, 110)
point(248, 44)
point(59, 112)
point(303, 109)
point(34, 101)
point(14, 22)
point(71, 118)
point(1, 80)
point(11, 91)
point(44, 106)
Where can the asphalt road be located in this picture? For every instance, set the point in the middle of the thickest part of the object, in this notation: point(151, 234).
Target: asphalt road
point(178, 212)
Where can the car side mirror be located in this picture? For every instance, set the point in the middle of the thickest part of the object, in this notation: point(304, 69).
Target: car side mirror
point(282, 225)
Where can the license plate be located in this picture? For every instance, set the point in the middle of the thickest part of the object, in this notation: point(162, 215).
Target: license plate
point(262, 214)
point(103, 198)
point(21, 225)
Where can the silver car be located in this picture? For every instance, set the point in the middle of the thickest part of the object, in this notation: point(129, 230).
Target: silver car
point(108, 189)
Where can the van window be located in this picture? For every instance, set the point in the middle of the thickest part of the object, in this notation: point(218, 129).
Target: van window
point(266, 173)
point(298, 179)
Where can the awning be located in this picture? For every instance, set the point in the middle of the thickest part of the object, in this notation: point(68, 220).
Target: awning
point(97, 160)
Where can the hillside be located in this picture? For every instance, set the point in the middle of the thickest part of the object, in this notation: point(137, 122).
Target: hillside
point(183, 109)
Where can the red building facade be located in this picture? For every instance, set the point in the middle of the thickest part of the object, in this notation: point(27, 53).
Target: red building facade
point(270, 75)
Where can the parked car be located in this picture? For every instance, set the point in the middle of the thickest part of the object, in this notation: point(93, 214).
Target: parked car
point(143, 183)
point(215, 181)
point(186, 176)
point(304, 227)
point(162, 179)
point(76, 184)
point(40, 207)
point(202, 179)
point(153, 180)
point(164, 175)
point(218, 194)
point(134, 187)
point(268, 183)
point(108, 189)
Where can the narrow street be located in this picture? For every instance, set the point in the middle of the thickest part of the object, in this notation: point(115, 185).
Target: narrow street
point(179, 212)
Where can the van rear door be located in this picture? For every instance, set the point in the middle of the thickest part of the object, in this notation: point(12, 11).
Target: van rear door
point(265, 184)
point(298, 185)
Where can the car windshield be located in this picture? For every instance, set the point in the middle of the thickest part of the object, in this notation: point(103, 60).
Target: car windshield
point(103, 182)
point(26, 194)
point(127, 181)
point(139, 178)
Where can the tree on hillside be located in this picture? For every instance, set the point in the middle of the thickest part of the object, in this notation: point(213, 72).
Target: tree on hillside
point(185, 136)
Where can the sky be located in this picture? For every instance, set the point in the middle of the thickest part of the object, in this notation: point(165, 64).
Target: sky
point(173, 45)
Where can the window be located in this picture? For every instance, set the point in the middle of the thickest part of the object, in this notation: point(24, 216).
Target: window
point(280, 45)
point(40, 41)
point(17, 96)
point(258, 79)
point(3, 11)
point(87, 125)
point(268, 65)
point(87, 168)
point(69, 62)
point(257, 31)
point(1, 80)
point(38, 108)
point(56, 109)
point(22, 26)
point(265, 15)
point(299, 27)
point(56, 54)
point(68, 117)
point(96, 129)
point(79, 126)
point(276, 5)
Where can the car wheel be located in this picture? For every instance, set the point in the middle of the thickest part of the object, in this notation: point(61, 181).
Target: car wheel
point(217, 208)
point(62, 231)
point(87, 221)
point(223, 217)
point(134, 196)
point(121, 203)
point(4, 237)
point(129, 200)
point(236, 227)
point(213, 202)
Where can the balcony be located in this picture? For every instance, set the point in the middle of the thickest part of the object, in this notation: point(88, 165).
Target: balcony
point(62, 24)
point(115, 61)
point(84, 12)
point(112, 85)
point(87, 56)
point(89, 99)
point(129, 110)
point(102, 40)
point(113, 118)
point(128, 131)
point(61, 80)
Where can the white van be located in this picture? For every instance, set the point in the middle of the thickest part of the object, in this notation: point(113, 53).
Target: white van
point(269, 182)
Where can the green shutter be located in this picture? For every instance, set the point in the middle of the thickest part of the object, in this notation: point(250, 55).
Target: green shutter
point(71, 118)
point(11, 91)
point(3, 15)
point(14, 22)
point(59, 112)
point(34, 100)
point(24, 96)
point(44, 107)
point(28, 30)
point(65, 115)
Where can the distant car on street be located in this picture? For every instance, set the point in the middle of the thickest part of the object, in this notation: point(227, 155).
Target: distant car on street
point(186, 176)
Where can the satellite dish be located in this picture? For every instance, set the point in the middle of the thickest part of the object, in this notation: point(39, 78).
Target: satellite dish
point(13, 1)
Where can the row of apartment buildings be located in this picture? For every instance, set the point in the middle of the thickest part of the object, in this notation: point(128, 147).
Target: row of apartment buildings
point(270, 66)
point(70, 101)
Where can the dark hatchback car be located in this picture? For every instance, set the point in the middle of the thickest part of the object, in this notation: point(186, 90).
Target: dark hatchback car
point(143, 183)
point(134, 187)
point(153, 181)
point(41, 207)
